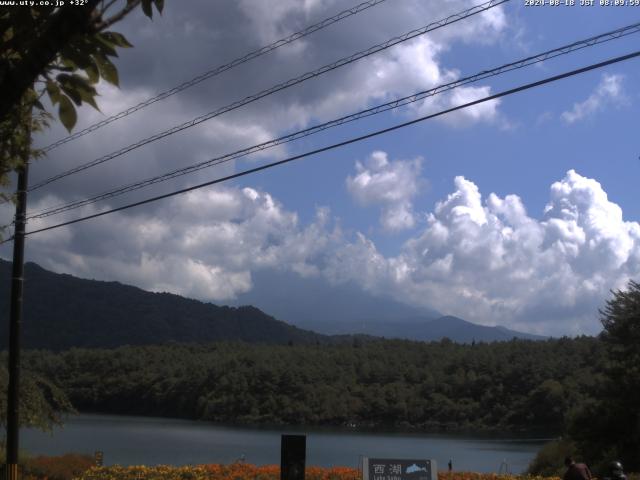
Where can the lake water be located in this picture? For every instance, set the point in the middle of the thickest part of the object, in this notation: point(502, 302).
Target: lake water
point(150, 441)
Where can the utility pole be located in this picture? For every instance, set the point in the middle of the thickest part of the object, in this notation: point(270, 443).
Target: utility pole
point(15, 319)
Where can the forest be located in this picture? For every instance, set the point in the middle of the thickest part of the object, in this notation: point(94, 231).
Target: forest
point(518, 385)
point(583, 390)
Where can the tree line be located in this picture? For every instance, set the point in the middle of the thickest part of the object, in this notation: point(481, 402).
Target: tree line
point(585, 390)
point(516, 385)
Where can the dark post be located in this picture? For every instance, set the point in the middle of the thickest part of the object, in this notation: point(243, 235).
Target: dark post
point(17, 282)
point(293, 453)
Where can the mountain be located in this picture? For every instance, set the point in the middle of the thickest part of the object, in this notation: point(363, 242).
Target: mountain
point(467, 332)
point(313, 304)
point(62, 311)
point(424, 329)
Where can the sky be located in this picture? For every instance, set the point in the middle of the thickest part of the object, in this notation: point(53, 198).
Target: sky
point(520, 212)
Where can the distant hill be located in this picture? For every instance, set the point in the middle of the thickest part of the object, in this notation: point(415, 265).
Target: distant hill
point(424, 329)
point(62, 311)
point(314, 304)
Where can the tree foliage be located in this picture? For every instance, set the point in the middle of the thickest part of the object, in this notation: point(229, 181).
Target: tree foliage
point(607, 427)
point(549, 461)
point(60, 52)
point(388, 383)
point(42, 403)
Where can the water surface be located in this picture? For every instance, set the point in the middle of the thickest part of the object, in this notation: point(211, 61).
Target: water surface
point(150, 441)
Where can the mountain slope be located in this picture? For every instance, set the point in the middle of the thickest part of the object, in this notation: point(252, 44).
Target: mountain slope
point(313, 303)
point(464, 331)
point(62, 311)
point(422, 329)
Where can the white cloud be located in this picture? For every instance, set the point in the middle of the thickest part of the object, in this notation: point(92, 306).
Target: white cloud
point(609, 91)
point(391, 184)
point(403, 70)
point(493, 263)
point(169, 51)
point(481, 257)
point(490, 262)
point(484, 259)
point(204, 244)
point(486, 111)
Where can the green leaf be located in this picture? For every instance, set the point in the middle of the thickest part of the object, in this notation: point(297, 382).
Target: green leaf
point(68, 63)
point(72, 94)
point(68, 87)
point(88, 96)
point(67, 113)
point(92, 72)
point(159, 5)
point(87, 45)
point(146, 8)
point(74, 57)
point(90, 99)
point(116, 39)
point(78, 89)
point(108, 70)
point(54, 92)
point(104, 46)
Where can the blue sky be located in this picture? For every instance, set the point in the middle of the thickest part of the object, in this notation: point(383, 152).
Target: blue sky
point(410, 214)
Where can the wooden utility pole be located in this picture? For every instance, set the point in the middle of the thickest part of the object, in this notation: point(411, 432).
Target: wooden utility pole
point(15, 319)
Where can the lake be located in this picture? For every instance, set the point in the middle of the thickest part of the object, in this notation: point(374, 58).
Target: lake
point(150, 441)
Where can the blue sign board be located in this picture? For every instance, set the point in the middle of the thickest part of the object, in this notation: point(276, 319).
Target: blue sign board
point(398, 469)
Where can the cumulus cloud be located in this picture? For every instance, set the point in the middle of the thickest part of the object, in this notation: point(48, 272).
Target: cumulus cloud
point(482, 258)
point(487, 260)
point(492, 262)
point(406, 69)
point(390, 184)
point(169, 51)
point(609, 91)
point(208, 249)
point(486, 111)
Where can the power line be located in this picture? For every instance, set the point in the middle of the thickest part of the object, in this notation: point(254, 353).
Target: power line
point(566, 49)
point(346, 142)
point(281, 86)
point(218, 70)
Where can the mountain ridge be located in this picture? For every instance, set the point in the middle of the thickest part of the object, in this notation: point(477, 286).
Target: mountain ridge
point(424, 329)
point(74, 312)
point(103, 314)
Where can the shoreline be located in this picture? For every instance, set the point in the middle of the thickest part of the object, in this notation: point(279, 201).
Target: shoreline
point(481, 434)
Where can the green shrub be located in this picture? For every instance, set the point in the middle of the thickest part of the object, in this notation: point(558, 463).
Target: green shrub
point(549, 462)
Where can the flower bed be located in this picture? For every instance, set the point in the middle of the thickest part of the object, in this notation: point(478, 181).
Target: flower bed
point(242, 471)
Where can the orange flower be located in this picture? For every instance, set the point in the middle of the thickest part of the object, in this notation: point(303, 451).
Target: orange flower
point(244, 471)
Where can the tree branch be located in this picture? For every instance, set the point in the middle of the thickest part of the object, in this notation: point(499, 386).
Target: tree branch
point(107, 7)
point(117, 17)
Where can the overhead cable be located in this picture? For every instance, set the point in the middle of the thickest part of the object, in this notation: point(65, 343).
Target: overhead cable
point(343, 143)
point(549, 54)
point(218, 70)
point(281, 86)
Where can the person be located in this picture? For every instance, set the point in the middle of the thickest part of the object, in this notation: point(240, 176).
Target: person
point(616, 472)
point(576, 471)
point(451, 466)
